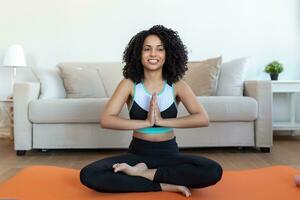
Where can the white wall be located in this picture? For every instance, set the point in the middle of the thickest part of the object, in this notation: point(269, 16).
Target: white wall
point(98, 30)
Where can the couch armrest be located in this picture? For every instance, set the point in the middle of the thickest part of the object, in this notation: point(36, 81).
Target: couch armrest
point(23, 93)
point(261, 90)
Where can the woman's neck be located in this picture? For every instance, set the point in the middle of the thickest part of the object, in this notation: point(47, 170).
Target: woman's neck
point(153, 77)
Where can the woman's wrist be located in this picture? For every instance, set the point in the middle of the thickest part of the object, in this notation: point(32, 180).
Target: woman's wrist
point(159, 122)
point(147, 123)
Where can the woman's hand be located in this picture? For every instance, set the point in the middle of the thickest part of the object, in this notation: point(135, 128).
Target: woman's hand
point(151, 115)
point(154, 116)
point(157, 115)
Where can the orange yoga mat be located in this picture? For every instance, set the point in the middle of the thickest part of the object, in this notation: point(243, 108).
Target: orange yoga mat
point(49, 182)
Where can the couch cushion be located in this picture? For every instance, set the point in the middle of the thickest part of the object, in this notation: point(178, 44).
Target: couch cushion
point(110, 73)
point(52, 86)
point(231, 78)
point(221, 109)
point(202, 76)
point(82, 82)
point(87, 110)
point(77, 110)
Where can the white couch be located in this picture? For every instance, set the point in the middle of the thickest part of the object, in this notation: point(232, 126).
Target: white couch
point(62, 123)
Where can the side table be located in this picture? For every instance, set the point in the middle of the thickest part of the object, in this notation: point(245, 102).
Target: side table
point(6, 118)
point(289, 88)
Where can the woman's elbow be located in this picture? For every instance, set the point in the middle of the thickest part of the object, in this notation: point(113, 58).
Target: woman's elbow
point(204, 121)
point(103, 122)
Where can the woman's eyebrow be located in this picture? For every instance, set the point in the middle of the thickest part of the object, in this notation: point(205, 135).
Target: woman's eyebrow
point(148, 45)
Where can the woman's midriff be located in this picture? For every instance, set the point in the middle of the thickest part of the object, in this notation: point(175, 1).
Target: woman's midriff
point(154, 137)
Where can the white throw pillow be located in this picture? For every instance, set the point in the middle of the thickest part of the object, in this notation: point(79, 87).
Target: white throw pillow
point(52, 86)
point(231, 78)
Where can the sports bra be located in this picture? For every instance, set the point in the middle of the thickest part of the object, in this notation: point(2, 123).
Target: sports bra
point(140, 102)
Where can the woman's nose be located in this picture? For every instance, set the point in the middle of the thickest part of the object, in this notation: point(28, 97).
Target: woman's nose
point(153, 52)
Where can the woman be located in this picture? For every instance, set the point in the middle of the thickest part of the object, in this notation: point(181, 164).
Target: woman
point(152, 89)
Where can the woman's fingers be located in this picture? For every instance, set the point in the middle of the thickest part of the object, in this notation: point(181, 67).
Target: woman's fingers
point(115, 165)
point(153, 109)
point(155, 104)
point(154, 100)
point(151, 115)
point(154, 97)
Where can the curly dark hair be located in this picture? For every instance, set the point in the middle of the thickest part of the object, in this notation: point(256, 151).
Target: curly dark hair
point(176, 55)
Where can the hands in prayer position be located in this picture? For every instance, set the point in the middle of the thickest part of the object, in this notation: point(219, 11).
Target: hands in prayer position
point(154, 113)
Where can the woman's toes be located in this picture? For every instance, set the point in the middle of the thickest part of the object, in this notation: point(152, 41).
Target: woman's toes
point(187, 194)
point(185, 191)
point(120, 167)
point(115, 165)
point(135, 170)
point(176, 188)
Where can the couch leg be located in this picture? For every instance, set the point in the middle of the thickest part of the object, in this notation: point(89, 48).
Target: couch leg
point(241, 148)
point(265, 149)
point(21, 152)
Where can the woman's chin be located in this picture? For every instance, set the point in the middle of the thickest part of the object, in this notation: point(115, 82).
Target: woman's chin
point(152, 67)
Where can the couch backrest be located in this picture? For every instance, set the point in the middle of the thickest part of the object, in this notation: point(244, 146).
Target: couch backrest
point(229, 80)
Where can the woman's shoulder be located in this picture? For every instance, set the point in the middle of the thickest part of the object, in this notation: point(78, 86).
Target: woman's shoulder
point(180, 85)
point(127, 84)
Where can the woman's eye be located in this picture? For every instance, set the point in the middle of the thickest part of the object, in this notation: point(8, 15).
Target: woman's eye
point(147, 49)
point(161, 49)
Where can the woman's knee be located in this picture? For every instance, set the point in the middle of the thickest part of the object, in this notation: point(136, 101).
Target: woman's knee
point(86, 175)
point(216, 173)
point(209, 175)
point(91, 177)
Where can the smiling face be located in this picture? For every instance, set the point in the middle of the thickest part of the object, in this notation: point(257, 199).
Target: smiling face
point(153, 53)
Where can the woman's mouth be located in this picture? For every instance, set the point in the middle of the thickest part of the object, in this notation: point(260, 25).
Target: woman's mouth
point(153, 61)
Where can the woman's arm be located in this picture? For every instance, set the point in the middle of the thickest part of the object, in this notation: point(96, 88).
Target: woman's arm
point(110, 116)
point(198, 116)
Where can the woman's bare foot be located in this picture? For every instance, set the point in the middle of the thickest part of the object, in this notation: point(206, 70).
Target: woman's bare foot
point(135, 170)
point(175, 188)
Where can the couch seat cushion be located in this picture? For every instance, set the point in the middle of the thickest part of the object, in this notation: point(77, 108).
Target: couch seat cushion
point(87, 110)
point(77, 110)
point(227, 108)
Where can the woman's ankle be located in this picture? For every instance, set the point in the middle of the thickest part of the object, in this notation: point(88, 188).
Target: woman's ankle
point(148, 174)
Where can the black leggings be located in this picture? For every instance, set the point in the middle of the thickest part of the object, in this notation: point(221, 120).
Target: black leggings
point(172, 167)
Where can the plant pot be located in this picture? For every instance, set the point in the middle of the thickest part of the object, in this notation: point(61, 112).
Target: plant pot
point(274, 77)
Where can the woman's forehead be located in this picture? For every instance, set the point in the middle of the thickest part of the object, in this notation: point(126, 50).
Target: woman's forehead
point(152, 40)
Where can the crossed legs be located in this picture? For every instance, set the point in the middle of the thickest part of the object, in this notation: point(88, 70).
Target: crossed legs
point(134, 173)
point(142, 170)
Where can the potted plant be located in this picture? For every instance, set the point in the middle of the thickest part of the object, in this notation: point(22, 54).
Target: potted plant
point(274, 68)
